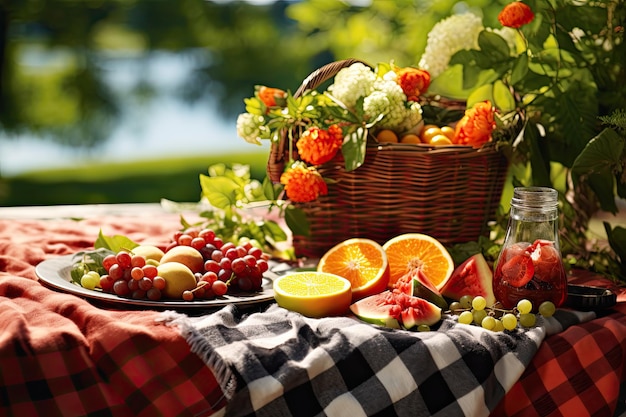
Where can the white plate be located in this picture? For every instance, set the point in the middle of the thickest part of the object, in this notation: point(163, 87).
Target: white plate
point(56, 272)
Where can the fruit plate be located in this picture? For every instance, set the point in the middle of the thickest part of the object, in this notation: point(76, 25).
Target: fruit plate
point(56, 273)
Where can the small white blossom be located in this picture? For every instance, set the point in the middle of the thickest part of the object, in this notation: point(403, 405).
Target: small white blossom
point(249, 127)
point(351, 83)
point(391, 76)
point(447, 37)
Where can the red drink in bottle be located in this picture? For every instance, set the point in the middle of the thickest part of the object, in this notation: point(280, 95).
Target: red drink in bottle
point(530, 264)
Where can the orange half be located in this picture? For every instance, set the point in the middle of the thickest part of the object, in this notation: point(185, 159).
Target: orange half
point(412, 251)
point(361, 261)
point(313, 294)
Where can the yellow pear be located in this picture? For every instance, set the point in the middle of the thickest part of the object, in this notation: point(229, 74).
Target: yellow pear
point(178, 278)
point(148, 252)
point(186, 255)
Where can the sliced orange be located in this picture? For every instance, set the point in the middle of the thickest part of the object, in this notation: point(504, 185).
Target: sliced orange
point(363, 262)
point(412, 251)
point(313, 293)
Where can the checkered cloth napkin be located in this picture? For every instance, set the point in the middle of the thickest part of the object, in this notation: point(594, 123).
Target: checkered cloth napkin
point(279, 363)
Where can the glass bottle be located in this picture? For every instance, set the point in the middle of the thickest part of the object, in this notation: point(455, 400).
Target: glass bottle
point(530, 265)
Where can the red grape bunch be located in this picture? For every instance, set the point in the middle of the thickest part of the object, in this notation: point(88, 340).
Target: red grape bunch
point(228, 268)
point(130, 276)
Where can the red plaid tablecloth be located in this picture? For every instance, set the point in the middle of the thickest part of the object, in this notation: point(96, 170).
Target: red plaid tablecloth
point(63, 356)
point(577, 372)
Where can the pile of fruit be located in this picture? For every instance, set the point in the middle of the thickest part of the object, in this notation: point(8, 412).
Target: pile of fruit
point(429, 134)
point(410, 283)
point(196, 265)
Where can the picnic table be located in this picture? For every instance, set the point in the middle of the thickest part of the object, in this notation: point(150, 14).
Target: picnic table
point(64, 354)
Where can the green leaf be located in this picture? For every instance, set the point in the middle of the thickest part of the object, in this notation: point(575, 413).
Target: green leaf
point(354, 147)
point(220, 191)
point(602, 154)
point(617, 240)
point(270, 189)
point(597, 164)
point(297, 221)
point(603, 186)
point(533, 81)
point(520, 69)
point(480, 94)
point(85, 261)
point(114, 243)
point(471, 75)
point(78, 270)
point(272, 229)
point(503, 98)
point(540, 165)
point(493, 46)
point(255, 106)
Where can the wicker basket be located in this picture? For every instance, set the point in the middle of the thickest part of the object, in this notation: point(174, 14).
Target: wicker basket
point(448, 192)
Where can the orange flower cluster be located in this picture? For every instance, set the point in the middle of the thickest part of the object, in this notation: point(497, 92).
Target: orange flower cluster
point(413, 82)
point(516, 15)
point(476, 125)
point(317, 146)
point(303, 184)
point(270, 96)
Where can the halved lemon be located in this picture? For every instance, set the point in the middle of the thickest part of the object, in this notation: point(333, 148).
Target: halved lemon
point(361, 261)
point(412, 251)
point(313, 294)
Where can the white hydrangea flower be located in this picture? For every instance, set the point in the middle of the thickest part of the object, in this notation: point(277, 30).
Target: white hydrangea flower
point(413, 119)
point(249, 127)
point(388, 99)
point(351, 83)
point(447, 37)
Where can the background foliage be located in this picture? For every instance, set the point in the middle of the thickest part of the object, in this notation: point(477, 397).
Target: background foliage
point(241, 45)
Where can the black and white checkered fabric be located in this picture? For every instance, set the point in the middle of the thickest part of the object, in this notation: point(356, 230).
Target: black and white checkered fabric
point(279, 363)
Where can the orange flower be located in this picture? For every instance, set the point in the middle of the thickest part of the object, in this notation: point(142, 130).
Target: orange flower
point(516, 15)
point(413, 81)
point(317, 146)
point(476, 125)
point(271, 96)
point(303, 184)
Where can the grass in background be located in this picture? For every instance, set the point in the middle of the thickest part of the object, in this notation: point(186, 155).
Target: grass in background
point(146, 181)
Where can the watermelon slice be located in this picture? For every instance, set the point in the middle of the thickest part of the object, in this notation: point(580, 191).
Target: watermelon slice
point(416, 284)
point(396, 310)
point(473, 277)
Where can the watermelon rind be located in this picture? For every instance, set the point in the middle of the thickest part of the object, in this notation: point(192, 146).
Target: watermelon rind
point(429, 294)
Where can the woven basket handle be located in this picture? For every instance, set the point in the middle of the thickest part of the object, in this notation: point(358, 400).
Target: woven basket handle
point(279, 151)
point(324, 73)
